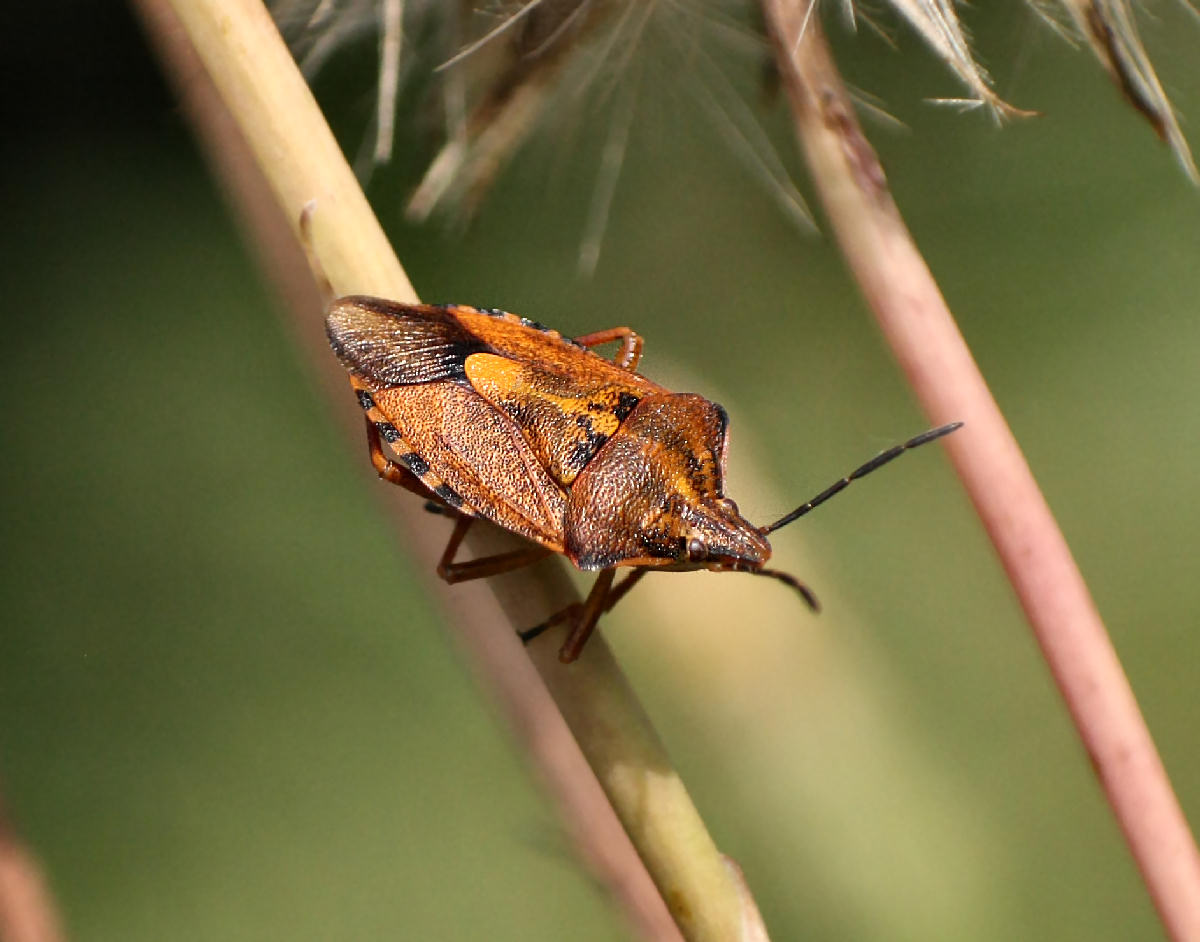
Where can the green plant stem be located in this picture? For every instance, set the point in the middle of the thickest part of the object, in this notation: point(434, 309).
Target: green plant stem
point(274, 111)
point(917, 323)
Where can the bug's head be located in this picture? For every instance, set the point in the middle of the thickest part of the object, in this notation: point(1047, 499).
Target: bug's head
point(652, 496)
point(712, 534)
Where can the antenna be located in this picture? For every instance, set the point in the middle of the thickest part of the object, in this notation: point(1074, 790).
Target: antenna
point(877, 462)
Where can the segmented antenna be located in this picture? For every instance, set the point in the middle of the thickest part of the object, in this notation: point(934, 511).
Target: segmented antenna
point(877, 462)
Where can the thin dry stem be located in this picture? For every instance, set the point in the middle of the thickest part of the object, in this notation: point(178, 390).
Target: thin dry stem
point(275, 113)
point(938, 24)
point(918, 325)
point(535, 44)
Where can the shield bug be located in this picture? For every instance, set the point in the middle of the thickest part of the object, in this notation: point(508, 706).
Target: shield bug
point(494, 416)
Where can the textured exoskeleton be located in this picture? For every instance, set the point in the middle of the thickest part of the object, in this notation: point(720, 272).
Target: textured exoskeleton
point(495, 416)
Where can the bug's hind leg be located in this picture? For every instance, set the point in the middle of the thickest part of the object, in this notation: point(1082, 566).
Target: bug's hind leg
point(630, 353)
point(485, 566)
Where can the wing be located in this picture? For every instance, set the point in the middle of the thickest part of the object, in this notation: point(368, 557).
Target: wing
point(479, 456)
point(567, 400)
point(391, 344)
point(408, 365)
point(566, 417)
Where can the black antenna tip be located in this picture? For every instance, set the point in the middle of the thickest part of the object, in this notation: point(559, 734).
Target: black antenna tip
point(810, 598)
point(932, 434)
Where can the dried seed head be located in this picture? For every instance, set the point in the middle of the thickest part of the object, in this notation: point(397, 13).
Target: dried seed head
point(502, 66)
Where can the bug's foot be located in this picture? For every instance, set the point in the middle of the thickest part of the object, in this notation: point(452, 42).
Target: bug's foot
point(530, 633)
point(570, 613)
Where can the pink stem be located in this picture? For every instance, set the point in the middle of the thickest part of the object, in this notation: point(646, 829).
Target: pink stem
point(921, 330)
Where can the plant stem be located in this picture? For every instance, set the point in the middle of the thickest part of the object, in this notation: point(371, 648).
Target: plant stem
point(27, 911)
point(905, 299)
point(276, 115)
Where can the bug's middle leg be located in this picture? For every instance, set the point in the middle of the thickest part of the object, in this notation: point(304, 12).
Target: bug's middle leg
point(485, 566)
point(630, 353)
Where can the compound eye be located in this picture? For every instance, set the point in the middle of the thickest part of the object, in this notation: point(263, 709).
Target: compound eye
point(729, 506)
point(696, 548)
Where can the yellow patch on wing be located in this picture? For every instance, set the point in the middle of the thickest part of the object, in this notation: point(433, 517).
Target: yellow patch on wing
point(565, 419)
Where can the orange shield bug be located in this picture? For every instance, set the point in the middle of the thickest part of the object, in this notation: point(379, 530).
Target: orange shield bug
point(495, 416)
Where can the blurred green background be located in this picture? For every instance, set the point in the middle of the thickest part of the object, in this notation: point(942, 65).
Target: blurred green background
point(227, 709)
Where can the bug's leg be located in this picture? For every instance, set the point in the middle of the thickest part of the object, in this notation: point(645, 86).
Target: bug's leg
point(621, 589)
point(585, 623)
point(630, 353)
point(485, 566)
point(573, 612)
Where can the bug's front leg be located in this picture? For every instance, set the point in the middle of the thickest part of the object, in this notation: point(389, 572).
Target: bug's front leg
point(630, 353)
point(622, 588)
point(585, 623)
point(583, 618)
